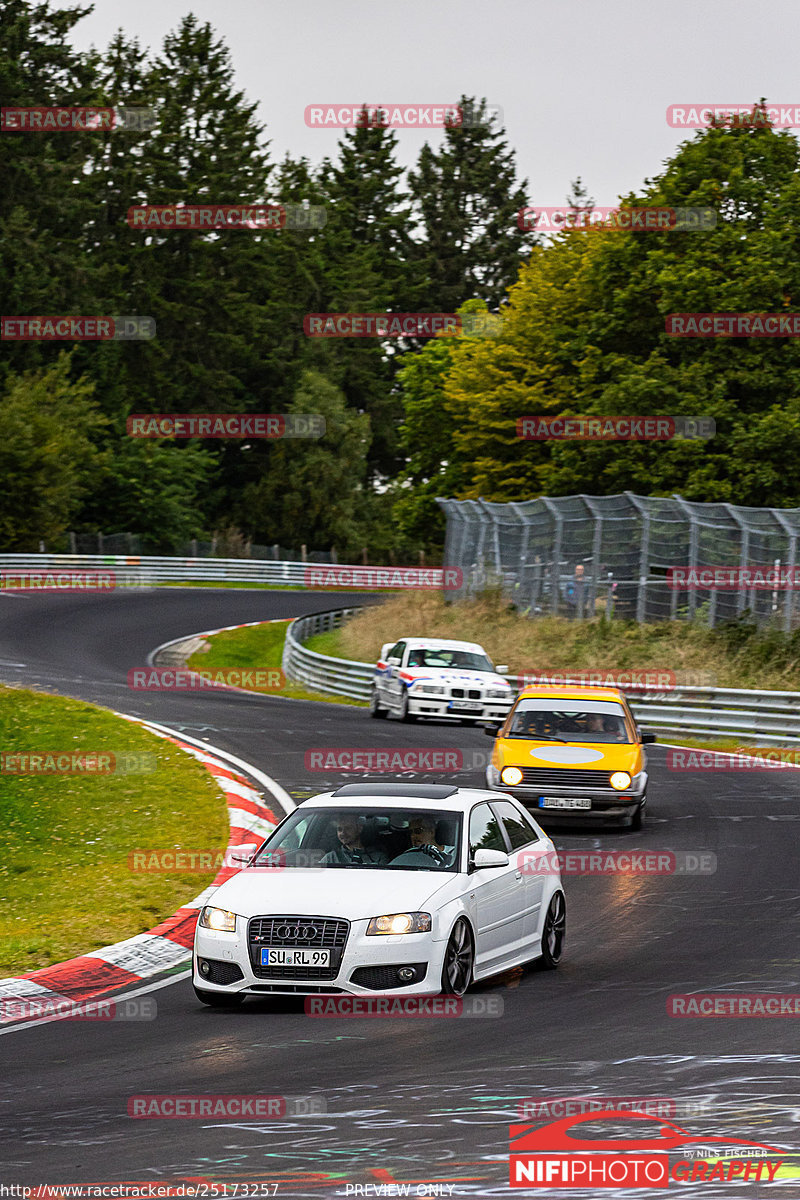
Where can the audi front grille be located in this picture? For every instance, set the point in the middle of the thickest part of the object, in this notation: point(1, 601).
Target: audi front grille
point(304, 933)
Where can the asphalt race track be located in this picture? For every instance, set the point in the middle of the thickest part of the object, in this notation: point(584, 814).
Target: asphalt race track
point(414, 1100)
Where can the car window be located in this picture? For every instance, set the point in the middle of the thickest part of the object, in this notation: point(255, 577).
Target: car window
point(484, 831)
point(392, 651)
point(520, 831)
point(569, 721)
point(399, 650)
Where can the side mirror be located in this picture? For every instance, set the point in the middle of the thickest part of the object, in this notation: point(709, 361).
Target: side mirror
point(502, 670)
point(242, 854)
point(489, 858)
point(648, 739)
point(491, 730)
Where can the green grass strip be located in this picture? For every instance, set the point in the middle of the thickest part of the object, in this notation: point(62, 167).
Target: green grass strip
point(65, 883)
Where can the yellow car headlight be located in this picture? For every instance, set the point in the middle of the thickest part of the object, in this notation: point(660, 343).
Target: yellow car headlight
point(415, 922)
point(219, 919)
point(620, 780)
point(511, 775)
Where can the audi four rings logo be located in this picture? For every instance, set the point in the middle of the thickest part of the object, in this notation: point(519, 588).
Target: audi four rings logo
point(296, 931)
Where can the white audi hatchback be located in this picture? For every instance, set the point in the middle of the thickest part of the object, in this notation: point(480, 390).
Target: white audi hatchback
point(387, 888)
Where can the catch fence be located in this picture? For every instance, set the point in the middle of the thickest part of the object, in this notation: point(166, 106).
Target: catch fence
point(643, 558)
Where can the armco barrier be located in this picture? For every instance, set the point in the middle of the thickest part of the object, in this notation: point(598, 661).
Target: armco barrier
point(769, 718)
point(145, 571)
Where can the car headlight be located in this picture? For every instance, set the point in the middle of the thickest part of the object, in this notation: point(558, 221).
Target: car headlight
point(430, 689)
point(511, 775)
point(219, 919)
point(499, 693)
point(620, 780)
point(414, 922)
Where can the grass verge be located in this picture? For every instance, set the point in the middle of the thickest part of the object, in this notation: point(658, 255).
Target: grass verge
point(259, 647)
point(734, 655)
point(65, 883)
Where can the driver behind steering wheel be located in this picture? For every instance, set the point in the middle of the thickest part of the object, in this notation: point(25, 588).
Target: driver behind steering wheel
point(424, 851)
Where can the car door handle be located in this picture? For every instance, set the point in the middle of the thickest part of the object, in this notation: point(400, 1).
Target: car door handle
point(518, 875)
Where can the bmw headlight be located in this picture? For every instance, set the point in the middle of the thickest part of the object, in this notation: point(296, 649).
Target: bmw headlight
point(430, 689)
point(498, 693)
point(415, 922)
point(620, 780)
point(219, 919)
point(511, 775)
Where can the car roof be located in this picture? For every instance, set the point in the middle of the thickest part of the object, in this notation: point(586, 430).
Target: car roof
point(570, 693)
point(441, 644)
point(378, 795)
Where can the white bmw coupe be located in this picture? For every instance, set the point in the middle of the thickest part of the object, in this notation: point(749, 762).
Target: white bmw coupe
point(438, 677)
point(387, 888)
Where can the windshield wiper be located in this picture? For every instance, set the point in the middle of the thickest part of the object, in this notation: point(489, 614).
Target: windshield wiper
point(540, 737)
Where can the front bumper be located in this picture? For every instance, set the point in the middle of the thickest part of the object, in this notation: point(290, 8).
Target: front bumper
point(606, 804)
point(365, 969)
point(494, 711)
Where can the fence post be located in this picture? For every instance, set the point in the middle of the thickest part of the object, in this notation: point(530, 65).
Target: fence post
point(788, 603)
point(558, 521)
point(72, 544)
point(692, 548)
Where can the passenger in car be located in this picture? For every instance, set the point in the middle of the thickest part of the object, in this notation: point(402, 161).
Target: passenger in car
point(351, 849)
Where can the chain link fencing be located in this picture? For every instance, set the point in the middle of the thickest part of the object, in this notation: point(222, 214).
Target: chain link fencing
point(642, 558)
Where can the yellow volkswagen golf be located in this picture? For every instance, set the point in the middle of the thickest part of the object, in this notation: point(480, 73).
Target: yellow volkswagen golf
point(572, 753)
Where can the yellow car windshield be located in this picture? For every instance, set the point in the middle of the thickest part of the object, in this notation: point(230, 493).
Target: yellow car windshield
point(581, 721)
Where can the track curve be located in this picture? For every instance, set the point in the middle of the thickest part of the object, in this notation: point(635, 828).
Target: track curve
point(415, 1100)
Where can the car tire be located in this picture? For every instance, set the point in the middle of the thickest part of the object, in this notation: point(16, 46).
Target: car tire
point(375, 709)
point(218, 999)
point(405, 715)
point(554, 932)
point(637, 820)
point(459, 960)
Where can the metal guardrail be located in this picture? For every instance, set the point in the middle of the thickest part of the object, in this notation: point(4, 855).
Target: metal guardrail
point(772, 718)
point(131, 571)
point(322, 672)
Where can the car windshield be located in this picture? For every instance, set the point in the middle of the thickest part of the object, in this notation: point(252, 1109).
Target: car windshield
point(361, 837)
point(464, 660)
point(569, 721)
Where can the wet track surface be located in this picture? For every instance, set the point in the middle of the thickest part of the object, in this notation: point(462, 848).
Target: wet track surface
point(421, 1100)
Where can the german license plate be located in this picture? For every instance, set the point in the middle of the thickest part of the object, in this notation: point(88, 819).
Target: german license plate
point(283, 957)
point(466, 705)
point(562, 802)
